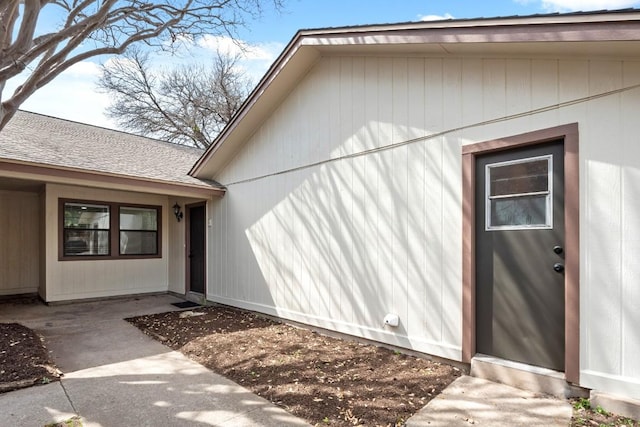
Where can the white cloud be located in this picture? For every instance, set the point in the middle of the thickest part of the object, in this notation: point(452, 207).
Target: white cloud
point(435, 17)
point(255, 59)
point(222, 44)
point(585, 5)
point(267, 51)
point(249, 52)
point(84, 68)
point(72, 95)
point(116, 60)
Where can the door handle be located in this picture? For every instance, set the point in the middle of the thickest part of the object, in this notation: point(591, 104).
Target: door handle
point(558, 249)
point(559, 268)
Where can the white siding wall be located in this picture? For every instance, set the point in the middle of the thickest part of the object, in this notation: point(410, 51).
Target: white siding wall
point(344, 242)
point(611, 231)
point(19, 242)
point(67, 280)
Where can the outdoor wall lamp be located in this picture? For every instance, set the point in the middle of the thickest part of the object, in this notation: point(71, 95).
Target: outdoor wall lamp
point(177, 211)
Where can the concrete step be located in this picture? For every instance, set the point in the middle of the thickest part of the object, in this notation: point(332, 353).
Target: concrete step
point(620, 405)
point(525, 377)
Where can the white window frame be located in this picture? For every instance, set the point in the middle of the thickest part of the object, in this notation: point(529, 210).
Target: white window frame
point(548, 202)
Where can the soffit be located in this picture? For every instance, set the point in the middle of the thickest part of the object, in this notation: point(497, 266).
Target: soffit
point(608, 49)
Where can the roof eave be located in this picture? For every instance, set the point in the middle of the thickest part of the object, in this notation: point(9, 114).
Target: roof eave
point(73, 176)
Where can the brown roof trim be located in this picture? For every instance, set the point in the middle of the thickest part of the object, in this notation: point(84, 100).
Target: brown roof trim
point(547, 32)
point(550, 18)
point(105, 180)
point(622, 25)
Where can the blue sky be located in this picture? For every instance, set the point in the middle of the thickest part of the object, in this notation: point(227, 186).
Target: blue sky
point(73, 95)
point(306, 14)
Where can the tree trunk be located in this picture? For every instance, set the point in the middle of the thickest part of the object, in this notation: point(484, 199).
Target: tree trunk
point(5, 115)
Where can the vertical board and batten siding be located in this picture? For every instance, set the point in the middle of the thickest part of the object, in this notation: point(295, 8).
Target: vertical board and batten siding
point(20, 242)
point(344, 242)
point(68, 280)
point(611, 234)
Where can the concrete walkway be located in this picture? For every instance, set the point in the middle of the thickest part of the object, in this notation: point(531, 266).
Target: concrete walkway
point(115, 375)
point(474, 401)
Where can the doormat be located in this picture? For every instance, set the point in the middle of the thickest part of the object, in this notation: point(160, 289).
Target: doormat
point(185, 304)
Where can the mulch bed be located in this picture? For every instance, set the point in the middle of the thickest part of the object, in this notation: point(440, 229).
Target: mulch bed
point(325, 380)
point(24, 359)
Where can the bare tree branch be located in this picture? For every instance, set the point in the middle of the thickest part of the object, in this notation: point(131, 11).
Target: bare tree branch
point(111, 25)
point(188, 105)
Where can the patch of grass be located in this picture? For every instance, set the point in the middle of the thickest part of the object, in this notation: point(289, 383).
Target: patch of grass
point(585, 414)
point(582, 403)
point(71, 422)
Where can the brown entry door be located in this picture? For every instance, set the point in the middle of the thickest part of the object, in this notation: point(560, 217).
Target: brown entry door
point(520, 255)
point(196, 249)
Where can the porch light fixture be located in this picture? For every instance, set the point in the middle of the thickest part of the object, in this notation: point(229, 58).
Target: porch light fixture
point(177, 211)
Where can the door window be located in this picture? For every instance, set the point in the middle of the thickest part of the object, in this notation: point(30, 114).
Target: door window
point(519, 194)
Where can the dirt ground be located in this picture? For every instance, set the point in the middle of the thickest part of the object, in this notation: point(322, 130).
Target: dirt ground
point(24, 359)
point(327, 381)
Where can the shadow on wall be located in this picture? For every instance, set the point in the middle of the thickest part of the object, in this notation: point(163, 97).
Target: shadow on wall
point(348, 242)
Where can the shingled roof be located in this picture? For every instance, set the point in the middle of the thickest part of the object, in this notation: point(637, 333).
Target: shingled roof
point(49, 141)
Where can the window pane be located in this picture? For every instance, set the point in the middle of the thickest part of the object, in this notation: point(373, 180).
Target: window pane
point(138, 243)
point(138, 218)
point(519, 211)
point(86, 242)
point(518, 178)
point(82, 215)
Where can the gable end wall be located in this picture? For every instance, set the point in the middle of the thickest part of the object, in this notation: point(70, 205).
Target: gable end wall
point(312, 231)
